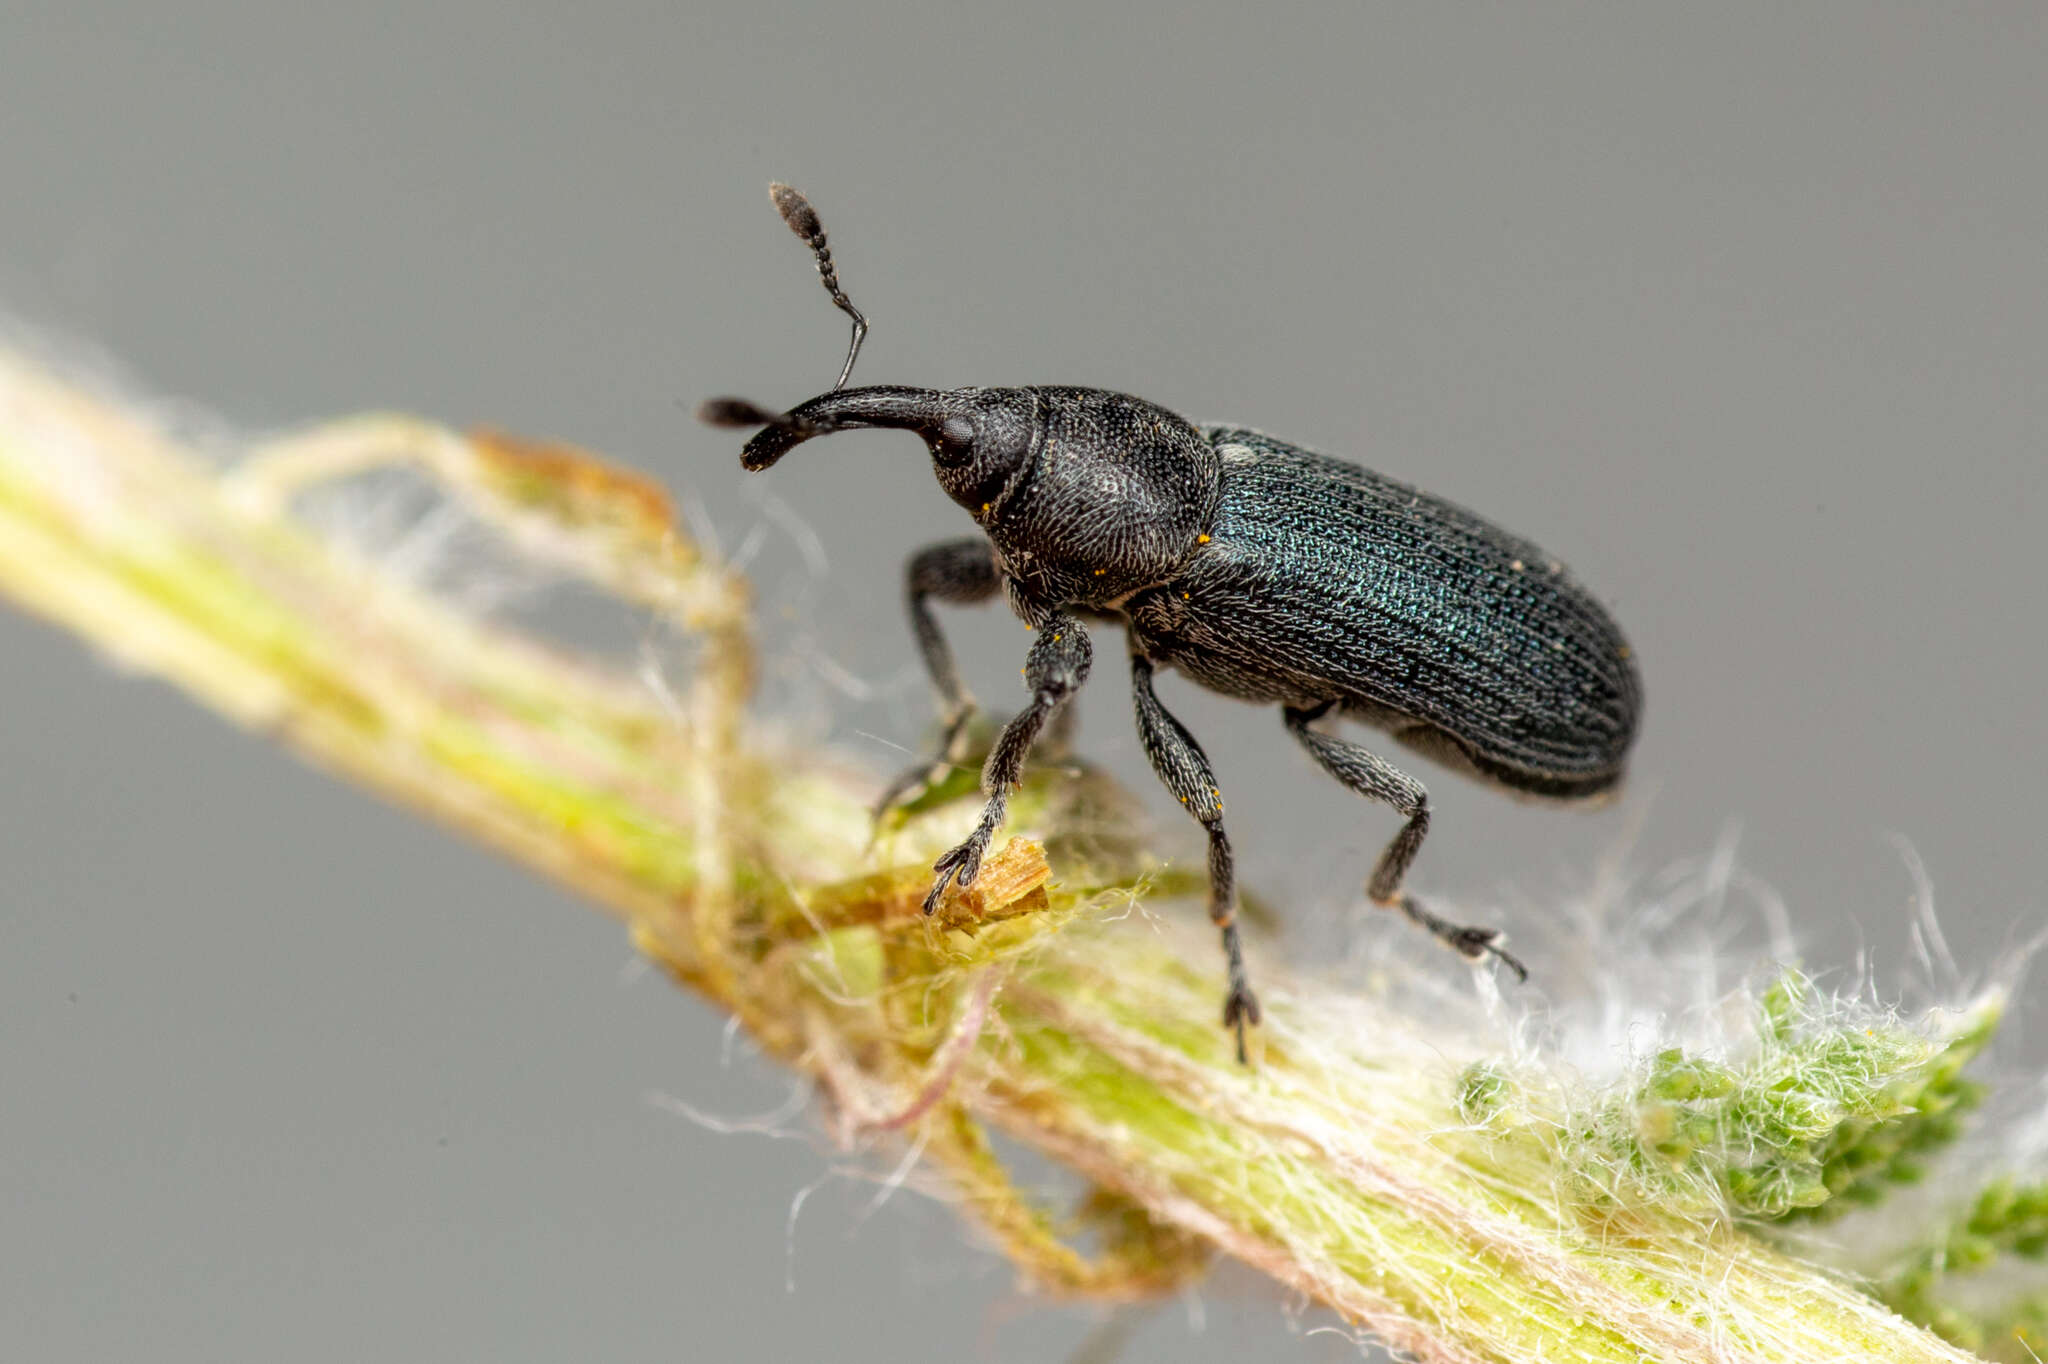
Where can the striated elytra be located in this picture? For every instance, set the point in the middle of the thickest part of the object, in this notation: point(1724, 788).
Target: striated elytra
point(1256, 569)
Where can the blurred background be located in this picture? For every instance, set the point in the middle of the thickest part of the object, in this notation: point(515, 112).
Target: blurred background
point(1742, 312)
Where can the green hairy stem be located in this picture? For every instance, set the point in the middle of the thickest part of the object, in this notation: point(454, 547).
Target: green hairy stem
point(1456, 1204)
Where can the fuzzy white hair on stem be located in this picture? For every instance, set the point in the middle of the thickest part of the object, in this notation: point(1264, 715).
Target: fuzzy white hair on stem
point(1648, 1165)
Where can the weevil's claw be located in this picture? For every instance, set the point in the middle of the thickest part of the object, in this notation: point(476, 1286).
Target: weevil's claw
point(1473, 944)
point(958, 867)
point(1240, 1011)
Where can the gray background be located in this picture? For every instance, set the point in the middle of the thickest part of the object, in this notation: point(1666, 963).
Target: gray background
point(1743, 313)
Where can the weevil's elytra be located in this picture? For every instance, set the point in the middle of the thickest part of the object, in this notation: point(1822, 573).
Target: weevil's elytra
point(1254, 568)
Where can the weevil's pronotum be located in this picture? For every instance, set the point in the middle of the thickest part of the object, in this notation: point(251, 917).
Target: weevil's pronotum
point(1256, 569)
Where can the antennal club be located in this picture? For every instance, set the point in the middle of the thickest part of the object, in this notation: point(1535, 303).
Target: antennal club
point(803, 220)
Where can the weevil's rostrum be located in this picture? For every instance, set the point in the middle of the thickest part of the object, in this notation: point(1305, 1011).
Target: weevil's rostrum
point(1254, 568)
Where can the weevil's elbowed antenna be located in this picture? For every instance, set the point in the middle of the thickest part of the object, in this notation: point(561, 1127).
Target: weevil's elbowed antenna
point(803, 220)
point(841, 409)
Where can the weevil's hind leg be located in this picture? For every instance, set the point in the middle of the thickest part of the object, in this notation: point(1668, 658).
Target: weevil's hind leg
point(962, 572)
point(1054, 670)
point(1182, 765)
point(1377, 779)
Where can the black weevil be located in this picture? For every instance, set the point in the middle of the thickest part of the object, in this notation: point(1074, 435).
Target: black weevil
point(1259, 570)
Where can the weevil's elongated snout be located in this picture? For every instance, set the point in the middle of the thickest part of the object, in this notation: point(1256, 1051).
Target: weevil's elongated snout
point(887, 406)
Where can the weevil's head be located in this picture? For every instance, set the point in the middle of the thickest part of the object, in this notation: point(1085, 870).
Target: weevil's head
point(980, 439)
point(1087, 496)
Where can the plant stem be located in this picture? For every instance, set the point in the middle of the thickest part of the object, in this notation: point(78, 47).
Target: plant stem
point(1337, 1163)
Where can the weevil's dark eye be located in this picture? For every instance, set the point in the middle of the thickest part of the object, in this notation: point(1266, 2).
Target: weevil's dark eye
point(956, 439)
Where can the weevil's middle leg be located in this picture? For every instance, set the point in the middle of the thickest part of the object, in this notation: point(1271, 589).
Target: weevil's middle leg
point(962, 572)
point(1055, 669)
point(1182, 765)
point(1377, 779)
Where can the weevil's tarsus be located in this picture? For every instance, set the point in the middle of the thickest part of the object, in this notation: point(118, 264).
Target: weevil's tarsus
point(803, 220)
point(1471, 943)
point(1240, 1005)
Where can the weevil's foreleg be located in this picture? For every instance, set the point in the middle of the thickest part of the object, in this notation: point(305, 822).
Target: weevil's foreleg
point(1182, 765)
point(1054, 670)
point(962, 572)
point(1377, 779)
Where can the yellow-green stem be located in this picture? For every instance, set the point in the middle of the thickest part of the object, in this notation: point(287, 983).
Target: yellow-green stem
point(1338, 1162)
